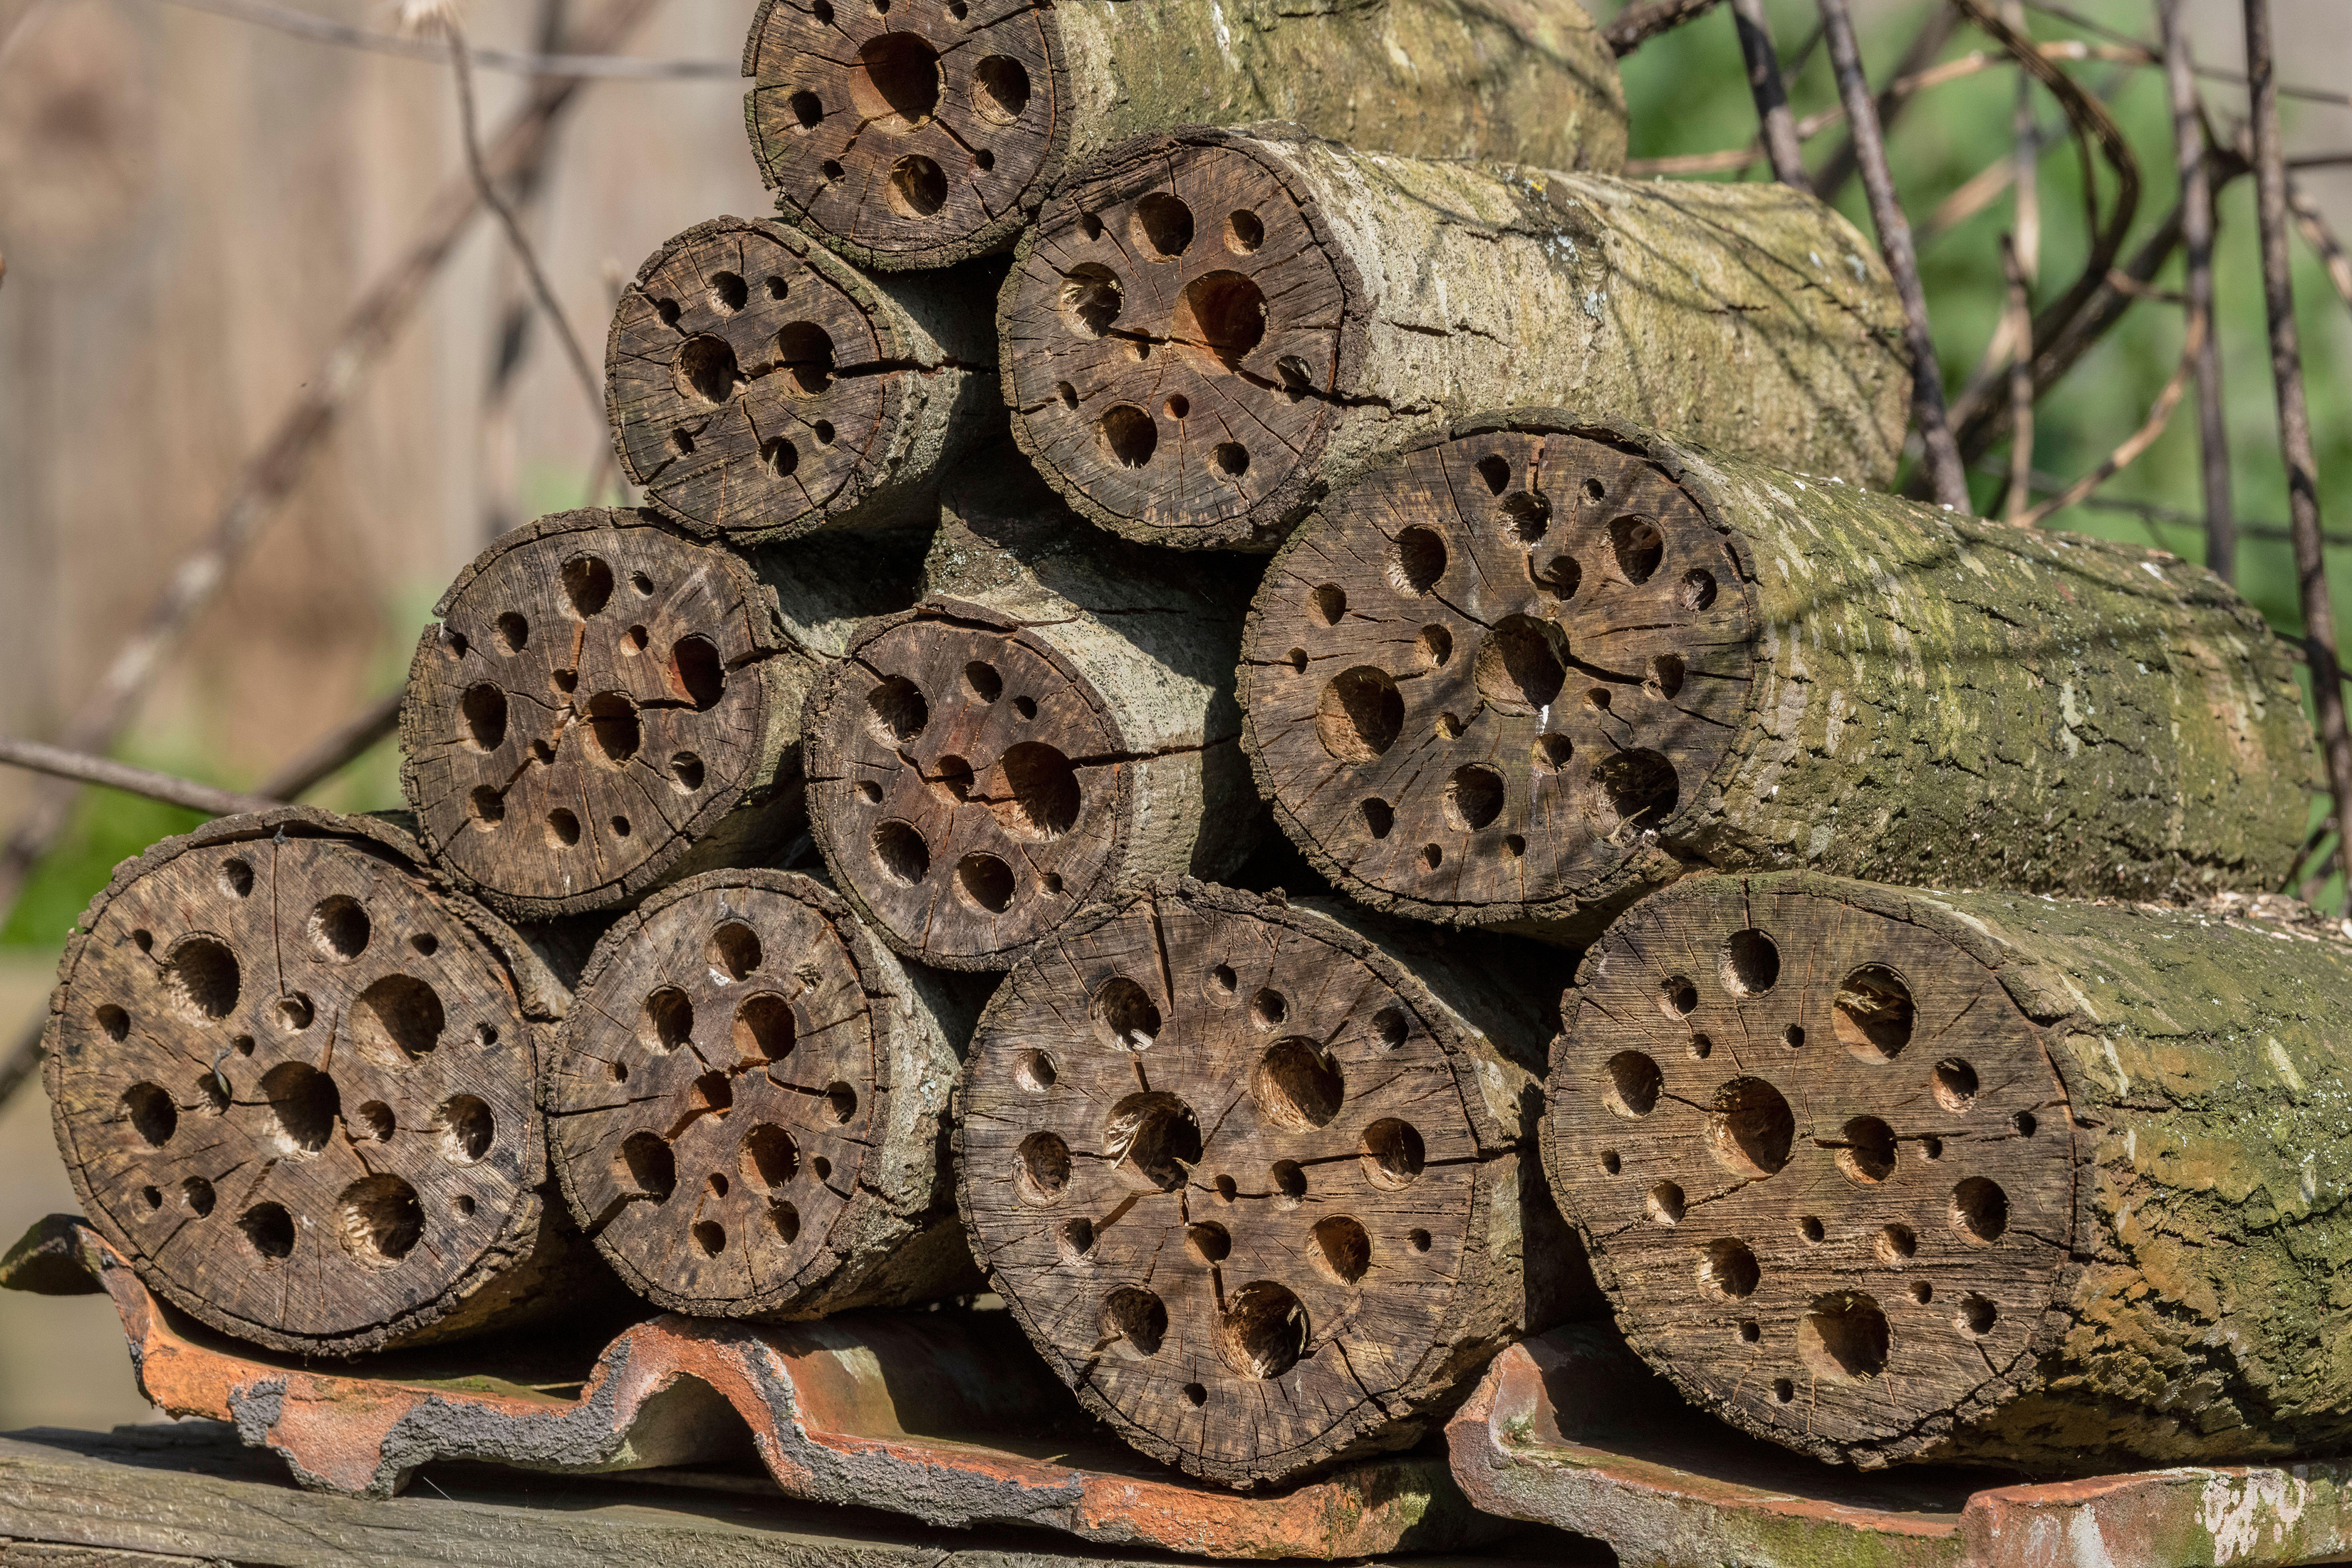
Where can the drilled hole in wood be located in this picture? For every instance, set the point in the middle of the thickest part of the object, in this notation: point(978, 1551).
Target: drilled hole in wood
point(1783, 1391)
point(1750, 1330)
point(396, 1019)
point(1521, 665)
point(1153, 1141)
point(373, 1120)
point(734, 951)
point(1076, 1240)
point(806, 109)
point(465, 1128)
point(1244, 231)
point(686, 772)
point(1639, 548)
point(1896, 1244)
point(1034, 1071)
point(1868, 1155)
point(1664, 1204)
point(1090, 300)
point(714, 1092)
point(1232, 459)
point(897, 80)
point(1873, 1014)
point(1793, 1037)
point(1360, 715)
point(237, 878)
point(1262, 1331)
point(709, 1236)
point(1124, 1016)
point(212, 1091)
point(780, 456)
point(1953, 1083)
point(1297, 1086)
point(1665, 682)
point(1343, 1250)
point(1750, 1128)
point(201, 978)
point(1697, 589)
point(268, 1229)
point(1041, 1170)
point(1979, 1210)
point(303, 1104)
point(1634, 1084)
point(1551, 752)
point(1727, 1271)
point(985, 883)
point(1288, 1179)
point(646, 1167)
point(196, 1195)
point(1133, 1323)
point(1750, 964)
point(1392, 1154)
point(1389, 1028)
point(1677, 998)
point(380, 1219)
point(840, 1105)
point(999, 88)
point(1433, 646)
point(1379, 816)
point(1473, 798)
point(728, 292)
point(1559, 577)
point(1495, 470)
point(1209, 1242)
point(293, 1012)
point(668, 1021)
point(1041, 797)
point(1631, 792)
point(1526, 517)
point(771, 1158)
point(1974, 1315)
point(1269, 1008)
point(1416, 560)
point(1219, 319)
point(1843, 1339)
point(1809, 1229)
point(704, 369)
point(1162, 226)
point(148, 1108)
point(804, 353)
point(896, 711)
point(764, 1029)
point(1127, 435)
point(1701, 1047)
point(918, 187)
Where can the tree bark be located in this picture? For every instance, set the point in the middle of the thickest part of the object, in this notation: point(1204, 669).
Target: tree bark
point(1250, 1173)
point(1055, 719)
point(748, 1110)
point(1888, 1175)
point(608, 705)
point(292, 1075)
point(1537, 670)
point(1198, 369)
point(761, 388)
point(932, 135)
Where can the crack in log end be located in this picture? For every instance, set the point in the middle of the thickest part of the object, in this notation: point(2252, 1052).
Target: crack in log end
point(1214, 1152)
point(294, 1087)
point(1496, 640)
point(1808, 1217)
point(752, 1170)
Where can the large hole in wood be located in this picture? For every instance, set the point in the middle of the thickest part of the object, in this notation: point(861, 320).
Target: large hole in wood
point(303, 1105)
point(148, 1109)
point(1343, 1249)
point(483, 710)
point(1634, 1084)
point(612, 726)
point(1262, 1331)
point(1162, 225)
point(734, 952)
point(1153, 1141)
point(268, 1229)
point(804, 353)
point(1843, 1339)
point(1728, 1269)
point(466, 1129)
point(338, 928)
point(1392, 1154)
point(771, 1158)
point(1750, 964)
point(1868, 1155)
point(985, 883)
point(1296, 1085)
point(899, 853)
point(1872, 1013)
point(896, 711)
point(396, 1019)
point(1526, 517)
point(196, 1195)
point(237, 878)
point(1042, 1169)
point(765, 1028)
point(999, 88)
point(1127, 435)
point(1220, 317)
point(896, 77)
point(1360, 715)
point(646, 1167)
point(380, 1219)
point(668, 1020)
point(201, 978)
point(1125, 1017)
point(1664, 1204)
point(1979, 1210)
point(1631, 792)
point(1750, 1128)
point(1416, 560)
point(705, 368)
point(697, 673)
point(1521, 665)
point(1473, 797)
point(1133, 1323)
point(1091, 297)
point(1040, 798)
point(1955, 1084)
point(1638, 546)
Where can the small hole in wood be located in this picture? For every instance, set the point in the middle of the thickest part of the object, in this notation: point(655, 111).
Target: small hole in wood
point(686, 772)
point(807, 110)
point(1125, 1017)
point(424, 944)
point(1922, 1291)
point(1042, 1169)
point(1810, 1230)
point(268, 1229)
point(1701, 1047)
point(765, 1029)
point(1896, 1244)
point(1127, 435)
point(1873, 1014)
point(1034, 1071)
point(771, 1158)
point(1433, 646)
point(148, 1109)
point(237, 878)
point(1269, 1008)
point(1379, 816)
point(465, 1128)
point(832, 169)
point(640, 584)
point(563, 681)
point(1495, 470)
point(1698, 589)
point(714, 1092)
point(1560, 576)
point(563, 829)
point(870, 792)
point(1979, 1210)
point(1360, 715)
point(1392, 1154)
point(112, 1021)
point(1526, 517)
point(981, 680)
point(1343, 1249)
point(1067, 393)
point(1297, 1086)
point(1432, 856)
point(201, 978)
point(985, 883)
point(646, 1167)
point(2025, 1123)
point(704, 369)
point(303, 1107)
point(899, 853)
point(1220, 317)
point(374, 1121)
point(695, 672)
point(1288, 1178)
point(1076, 1240)
point(1783, 1391)
point(804, 352)
point(512, 632)
point(1750, 964)
point(1634, 1084)
point(1090, 225)
point(841, 1104)
point(1750, 1330)
point(1975, 1316)
point(1090, 300)
point(780, 456)
point(1389, 1028)
point(1227, 1189)
point(1416, 560)
point(1178, 405)
point(710, 1238)
point(1677, 998)
point(1153, 1141)
point(1953, 1083)
point(196, 1195)
point(1232, 459)
point(1520, 665)
point(1638, 546)
point(1162, 226)
point(1843, 1339)
point(293, 1012)
point(542, 751)
point(1793, 1037)
point(668, 1020)
point(1727, 1271)
point(1209, 1242)
point(1664, 1204)
point(484, 710)
point(1026, 707)
point(1244, 231)
point(1551, 752)
point(1000, 87)
point(1133, 1323)
point(1750, 1128)
point(1473, 798)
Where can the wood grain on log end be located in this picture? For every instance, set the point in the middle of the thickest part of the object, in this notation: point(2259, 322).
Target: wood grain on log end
point(1489, 678)
point(746, 1108)
point(292, 1079)
point(1174, 331)
point(760, 388)
point(594, 703)
point(1249, 1184)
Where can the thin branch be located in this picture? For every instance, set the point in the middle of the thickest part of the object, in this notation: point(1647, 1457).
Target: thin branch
point(1943, 459)
point(2025, 153)
point(2148, 52)
point(2159, 414)
point(1638, 24)
point(2295, 425)
point(168, 788)
point(2171, 516)
point(1771, 94)
point(319, 29)
point(2020, 326)
point(2322, 239)
point(2196, 218)
point(337, 750)
point(1933, 35)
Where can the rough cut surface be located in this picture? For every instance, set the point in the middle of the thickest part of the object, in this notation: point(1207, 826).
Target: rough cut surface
point(608, 703)
point(1883, 1174)
point(292, 1079)
point(746, 1107)
point(1548, 664)
point(1253, 1186)
point(761, 388)
point(918, 134)
point(1055, 720)
point(1207, 331)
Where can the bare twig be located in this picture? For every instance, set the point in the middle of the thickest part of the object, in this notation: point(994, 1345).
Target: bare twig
point(2159, 414)
point(2025, 153)
point(1943, 459)
point(2148, 53)
point(2321, 238)
point(2196, 243)
point(1933, 35)
point(2295, 425)
point(168, 788)
point(319, 29)
point(2020, 329)
point(335, 752)
point(1771, 94)
point(2171, 516)
point(270, 474)
point(1638, 24)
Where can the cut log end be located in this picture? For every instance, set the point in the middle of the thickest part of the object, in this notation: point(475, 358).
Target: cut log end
point(293, 1086)
point(912, 134)
point(1176, 326)
point(719, 1091)
point(1481, 681)
point(1219, 1164)
point(1821, 1158)
point(742, 378)
point(583, 711)
point(967, 785)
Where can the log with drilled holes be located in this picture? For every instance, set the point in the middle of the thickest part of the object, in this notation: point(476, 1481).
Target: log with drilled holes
point(1250, 1173)
point(747, 1108)
point(1208, 330)
point(608, 703)
point(761, 388)
point(1534, 670)
point(920, 133)
point(1055, 719)
point(292, 1076)
point(1884, 1176)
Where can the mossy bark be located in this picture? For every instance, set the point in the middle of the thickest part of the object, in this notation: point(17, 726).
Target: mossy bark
point(1531, 671)
point(1207, 331)
point(932, 135)
point(2047, 1184)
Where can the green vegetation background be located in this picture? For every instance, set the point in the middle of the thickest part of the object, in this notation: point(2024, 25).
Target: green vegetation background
point(1688, 94)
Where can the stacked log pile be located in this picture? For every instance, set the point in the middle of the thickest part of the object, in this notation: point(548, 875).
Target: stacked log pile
point(880, 805)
